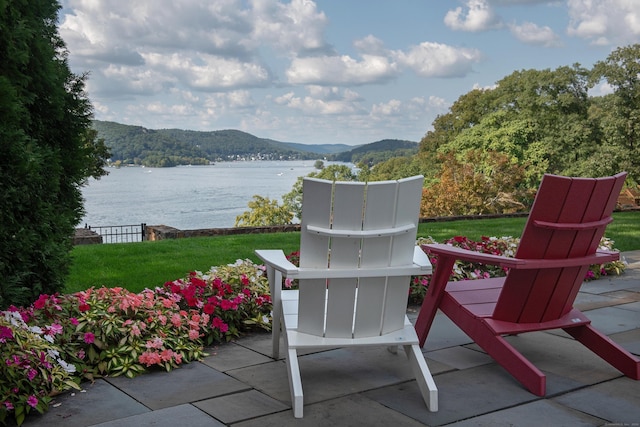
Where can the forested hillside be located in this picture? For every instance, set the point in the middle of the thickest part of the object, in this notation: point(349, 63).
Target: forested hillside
point(171, 147)
point(377, 152)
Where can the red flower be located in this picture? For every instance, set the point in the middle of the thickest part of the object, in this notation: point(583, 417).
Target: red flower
point(209, 308)
point(89, 338)
point(41, 302)
point(5, 333)
point(32, 401)
point(219, 324)
point(198, 282)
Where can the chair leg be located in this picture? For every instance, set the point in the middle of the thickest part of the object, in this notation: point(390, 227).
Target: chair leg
point(608, 350)
point(276, 324)
point(497, 347)
point(434, 295)
point(295, 383)
point(423, 376)
point(275, 281)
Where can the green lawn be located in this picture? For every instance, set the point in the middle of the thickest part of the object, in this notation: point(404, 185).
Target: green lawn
point(136, 266)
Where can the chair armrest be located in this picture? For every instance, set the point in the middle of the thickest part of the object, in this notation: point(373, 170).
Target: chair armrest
point(276, 258)
point(421, 259)
point(600, 257)
point(473, 256)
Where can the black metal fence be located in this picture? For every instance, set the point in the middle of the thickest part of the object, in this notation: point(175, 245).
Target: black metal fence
point(120, 233)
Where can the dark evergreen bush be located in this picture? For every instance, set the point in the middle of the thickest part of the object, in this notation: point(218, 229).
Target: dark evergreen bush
point(47, 151)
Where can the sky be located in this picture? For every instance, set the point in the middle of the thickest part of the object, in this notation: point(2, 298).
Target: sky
point(326, 71)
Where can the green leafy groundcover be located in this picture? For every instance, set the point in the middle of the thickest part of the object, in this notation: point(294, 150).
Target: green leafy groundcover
point(62, 340)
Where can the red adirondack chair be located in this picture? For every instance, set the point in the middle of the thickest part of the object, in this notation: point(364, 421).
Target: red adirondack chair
point(559, 243)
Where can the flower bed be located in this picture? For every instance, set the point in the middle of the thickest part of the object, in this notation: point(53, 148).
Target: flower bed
point(61, 340)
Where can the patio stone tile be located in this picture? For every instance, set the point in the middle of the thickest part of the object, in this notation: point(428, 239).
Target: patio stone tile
point(189, 383)
point(229, 356)
point(633, 306)
point(632, 257)
point(608, 284)
point(563, 357)
point(444, 333)
point(105, 401)
point(181, 415)
point(330, 374)
point(611, 320)
point(461, 394)
point(534, 414)
point(353, 410)
point(259, 342)
point(586, 301)
point(241, 406)
point(615, 401)
point(629, 340)
point(459, 357)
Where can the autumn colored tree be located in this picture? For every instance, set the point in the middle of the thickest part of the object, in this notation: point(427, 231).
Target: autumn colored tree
point(483, 183)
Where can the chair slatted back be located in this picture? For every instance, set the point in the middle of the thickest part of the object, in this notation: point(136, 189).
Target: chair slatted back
point(351, 214)
point(567, 220)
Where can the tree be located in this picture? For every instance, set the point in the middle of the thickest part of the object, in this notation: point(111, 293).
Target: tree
point(47, 151)
point(293, 199)
point(264, 212)
point(540, 118)
point(481, 183)
point(621, 70)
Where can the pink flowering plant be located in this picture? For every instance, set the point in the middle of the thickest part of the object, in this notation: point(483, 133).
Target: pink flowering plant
point(61, 340)
point(32, 367)
point(236, 296)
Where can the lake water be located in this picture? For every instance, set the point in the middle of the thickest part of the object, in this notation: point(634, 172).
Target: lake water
point(186, 197)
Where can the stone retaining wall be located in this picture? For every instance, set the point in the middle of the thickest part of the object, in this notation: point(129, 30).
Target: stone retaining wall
point(86, 236)
point(162, 232)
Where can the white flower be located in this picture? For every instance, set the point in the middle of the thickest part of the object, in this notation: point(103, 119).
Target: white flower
point(69, 367)
point(36, 329)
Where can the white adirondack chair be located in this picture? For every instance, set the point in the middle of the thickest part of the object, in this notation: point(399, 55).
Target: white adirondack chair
point(357, 255)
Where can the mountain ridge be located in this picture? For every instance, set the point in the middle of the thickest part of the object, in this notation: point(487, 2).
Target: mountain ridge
point(132, 144)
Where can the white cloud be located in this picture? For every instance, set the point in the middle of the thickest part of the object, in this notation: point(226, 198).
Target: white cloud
point(294, 27)
point(519, 2)
point(322, 101)
point(481, 87)
point(371, 45)
point(531, 33)
point(439, 60)
point(414, 107)
point(209, 72)
point(477, 15)
point(605, 22)
point(340, 70)
point(601, 89)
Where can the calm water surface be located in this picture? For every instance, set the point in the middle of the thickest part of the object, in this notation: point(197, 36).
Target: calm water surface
point(186, 197)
